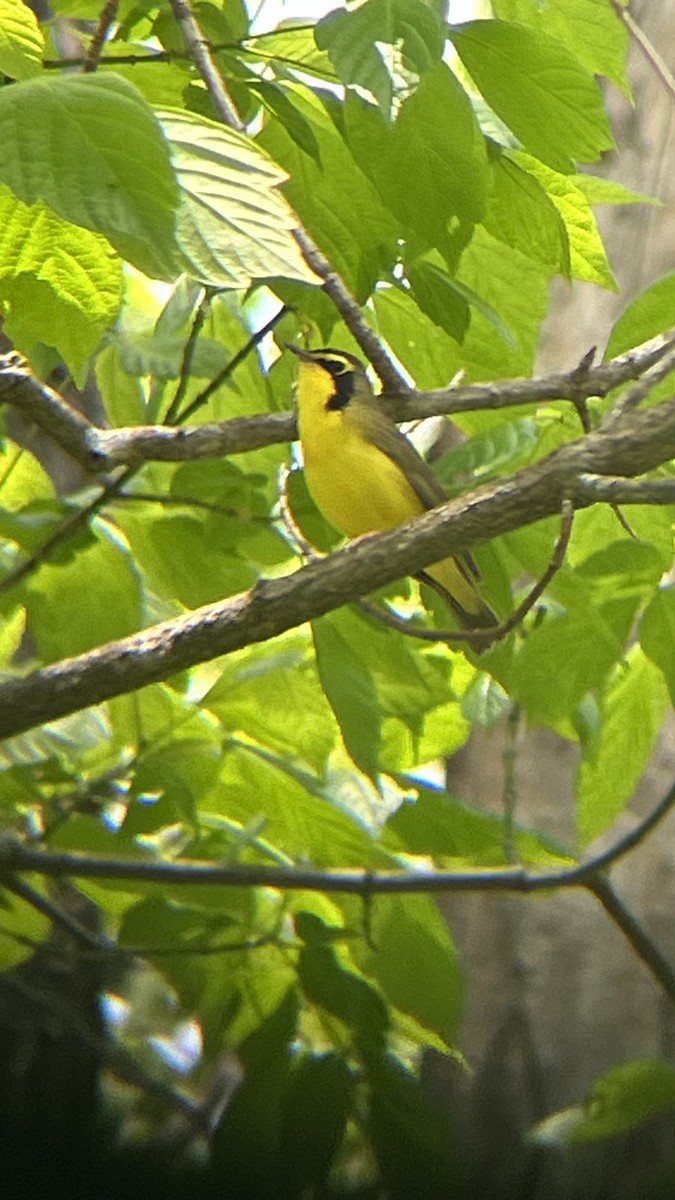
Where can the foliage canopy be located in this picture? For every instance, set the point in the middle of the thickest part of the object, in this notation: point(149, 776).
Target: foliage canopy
point(144, 240)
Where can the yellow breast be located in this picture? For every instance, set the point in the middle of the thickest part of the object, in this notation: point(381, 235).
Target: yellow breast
point(357, 487)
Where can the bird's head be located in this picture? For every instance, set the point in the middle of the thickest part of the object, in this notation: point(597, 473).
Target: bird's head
point(335, 376)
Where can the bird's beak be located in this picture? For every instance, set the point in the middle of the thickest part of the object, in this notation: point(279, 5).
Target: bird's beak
point(301, 353)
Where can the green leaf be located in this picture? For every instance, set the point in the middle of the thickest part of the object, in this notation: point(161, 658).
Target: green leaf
point(448, 301)
point(246, 1146)
point(520, 213)
point(439, 297)
point(350, 691)
point(561, 660)
point(122, 395)
point(646, 316)
point(59, 283)
point(350, 40)
point(415, 962)
point(276, 101)
point(315, 1112)
point(590, 29)
point(22, 930)
point(162, 84)
point(657, 635)
point(455, 834)
point(355, 40)
point(150, 717)
point(170, 548)
point(22, 478)
point(349, 223)
point(447, 160)
point(180, 771)
point(273, 695)
point(382, 689)
point(410, 1137)
point(64, 602)
point(294, 49)
point(633, 710)
point(518, 291)
point(608, 191)
point(596, 530)
point(12, 631)
point(97, 156)
point(330, 982)
point(588, 258)
point(233, 225)
point(538, 88)
point(501, 448)
point(623, 1099)
point(21, 40)
point(295, 815)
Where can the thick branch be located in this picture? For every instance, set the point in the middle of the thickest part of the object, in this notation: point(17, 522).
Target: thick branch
point(643, 441)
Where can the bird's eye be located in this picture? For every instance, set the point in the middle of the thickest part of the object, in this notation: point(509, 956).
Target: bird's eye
point(335, 366)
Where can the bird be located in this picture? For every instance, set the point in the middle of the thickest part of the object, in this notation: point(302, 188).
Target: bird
point(365, 476)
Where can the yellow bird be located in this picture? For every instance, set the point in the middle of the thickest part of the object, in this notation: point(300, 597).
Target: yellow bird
point(364, 475)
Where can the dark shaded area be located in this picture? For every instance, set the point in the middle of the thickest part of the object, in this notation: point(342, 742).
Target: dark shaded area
point(493, 1116)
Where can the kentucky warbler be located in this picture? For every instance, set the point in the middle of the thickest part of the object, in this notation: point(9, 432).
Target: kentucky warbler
point(364, 475)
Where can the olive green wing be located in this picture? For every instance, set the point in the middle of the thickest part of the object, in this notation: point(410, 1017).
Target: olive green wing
point(388, 438)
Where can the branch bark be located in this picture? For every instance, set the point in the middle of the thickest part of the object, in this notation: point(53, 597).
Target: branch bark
point(102, 449)
point(17, 857)
point(640, 442)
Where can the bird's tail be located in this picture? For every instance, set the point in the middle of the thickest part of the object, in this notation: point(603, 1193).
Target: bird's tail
point(455, 579)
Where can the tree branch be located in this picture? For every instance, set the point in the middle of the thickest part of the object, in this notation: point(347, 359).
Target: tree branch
point(102, 449)
point(200, 52)
point(108, 15)
point(642, 441)
point(648, 49)
point(17, 857)
point(638, 939)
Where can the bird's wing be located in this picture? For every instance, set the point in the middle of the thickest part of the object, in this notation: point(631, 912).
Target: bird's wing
point(389, 439)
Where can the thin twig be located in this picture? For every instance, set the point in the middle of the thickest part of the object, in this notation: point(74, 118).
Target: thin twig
point(169, 499)
point(17, 857)
point(66, 531)
point(108, 15)
point(481, 639)
point(637, 835)
point(57, 915)
point(201, 54)
point(107, 1052)
point(254, 341)
point(641, 389)
point(610, 488)
point(80, 518)
point(201, 950)
point(389, 375)
point(646, 46)
point(304, 549)
point(510, 790)
point(345, 303)
point(187, 358)
point(642, 944)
